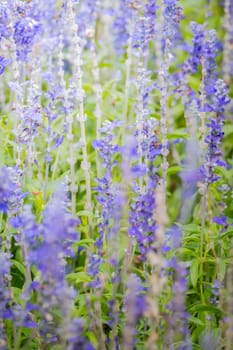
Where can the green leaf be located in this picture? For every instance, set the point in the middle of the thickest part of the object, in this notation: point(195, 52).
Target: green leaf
point(85, 213)
point(179, 133)
point(228, 233)
point(85, 241)
point(196, 321)
point(174, 170)
point(19, 266)
point(194, 272)
point(78, 277)
point(228, 129)
point(222, 267)
point(205, 308)
point(191, 228)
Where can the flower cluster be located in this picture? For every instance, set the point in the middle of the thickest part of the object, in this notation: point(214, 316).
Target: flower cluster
point(141, 215)
point(215, 134)
point(115, 177)
point(105, 194)
point(11, 195)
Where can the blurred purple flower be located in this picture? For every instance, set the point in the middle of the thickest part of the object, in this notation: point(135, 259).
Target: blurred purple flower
point(105, 194)
point(134, 308)
point(26, 30)
point(11, 195)
point(4, 62)
point(141, 215)
point(5, 296)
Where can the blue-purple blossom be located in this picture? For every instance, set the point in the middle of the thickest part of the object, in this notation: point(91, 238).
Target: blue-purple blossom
point(4, 63)
point(5, 278)
point(134, 308)
point(215, 290)
point(26, 31)
point(121, 25)
point(75, 338)
point(141, 215)
point(178, 319)
point(150, 9)
point(106, 149)
point(11, 195)
point(220, 220)
point(47, 245)
point(172, 16)
point(213, 139)
point(196, 51)
point(87, 17)
point(4, 20)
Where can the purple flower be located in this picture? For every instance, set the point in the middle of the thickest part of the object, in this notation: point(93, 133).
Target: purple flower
point(178, 319)
point(87, 15)
point(172, 15)
point(75, 338)
point(4, 62)
point(105, 194)
point(213, 156)
point(26, 30)
point(150, 18)
point(11, 195)
point(141, 215)
point(4, 20)
point(47, 245)
point(5, 278)
point(122, 18)
point(134, 308)
point(215, 289)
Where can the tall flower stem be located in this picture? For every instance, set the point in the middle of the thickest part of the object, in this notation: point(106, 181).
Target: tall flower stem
point(98, 94)
point(163, 62)
point(229, 334)
point(205, 189)
point(68, 117)
point(128, 64)
point(227, 44)
point(47, 160)
point(17, 104)
point(81, 117)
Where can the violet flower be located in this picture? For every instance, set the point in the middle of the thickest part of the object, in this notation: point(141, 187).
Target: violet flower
point(4, 19)
point(122, 17)
point(178, 318)
point(150, 9)
point(141, 215)
point(134, 308)
point(87, 15)
point(26, 31)
point(4, 63)
point(105, 194)
point(213, 139)
point(5, 278)
point(11, 195)
point(197, 49)
point(47, 246)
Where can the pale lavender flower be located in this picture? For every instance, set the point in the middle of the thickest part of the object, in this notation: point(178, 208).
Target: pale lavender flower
point(4, 19)
point(141, 215)
point(87, 16)
point(4, 63)
point(106, 149)
point(134, 308)
point(5, 278)
point(178, 318)
point(122, 17)
point(150, 9)
point(11, 195)
point(214, 137)
point(46, 246)
point(26, 31)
